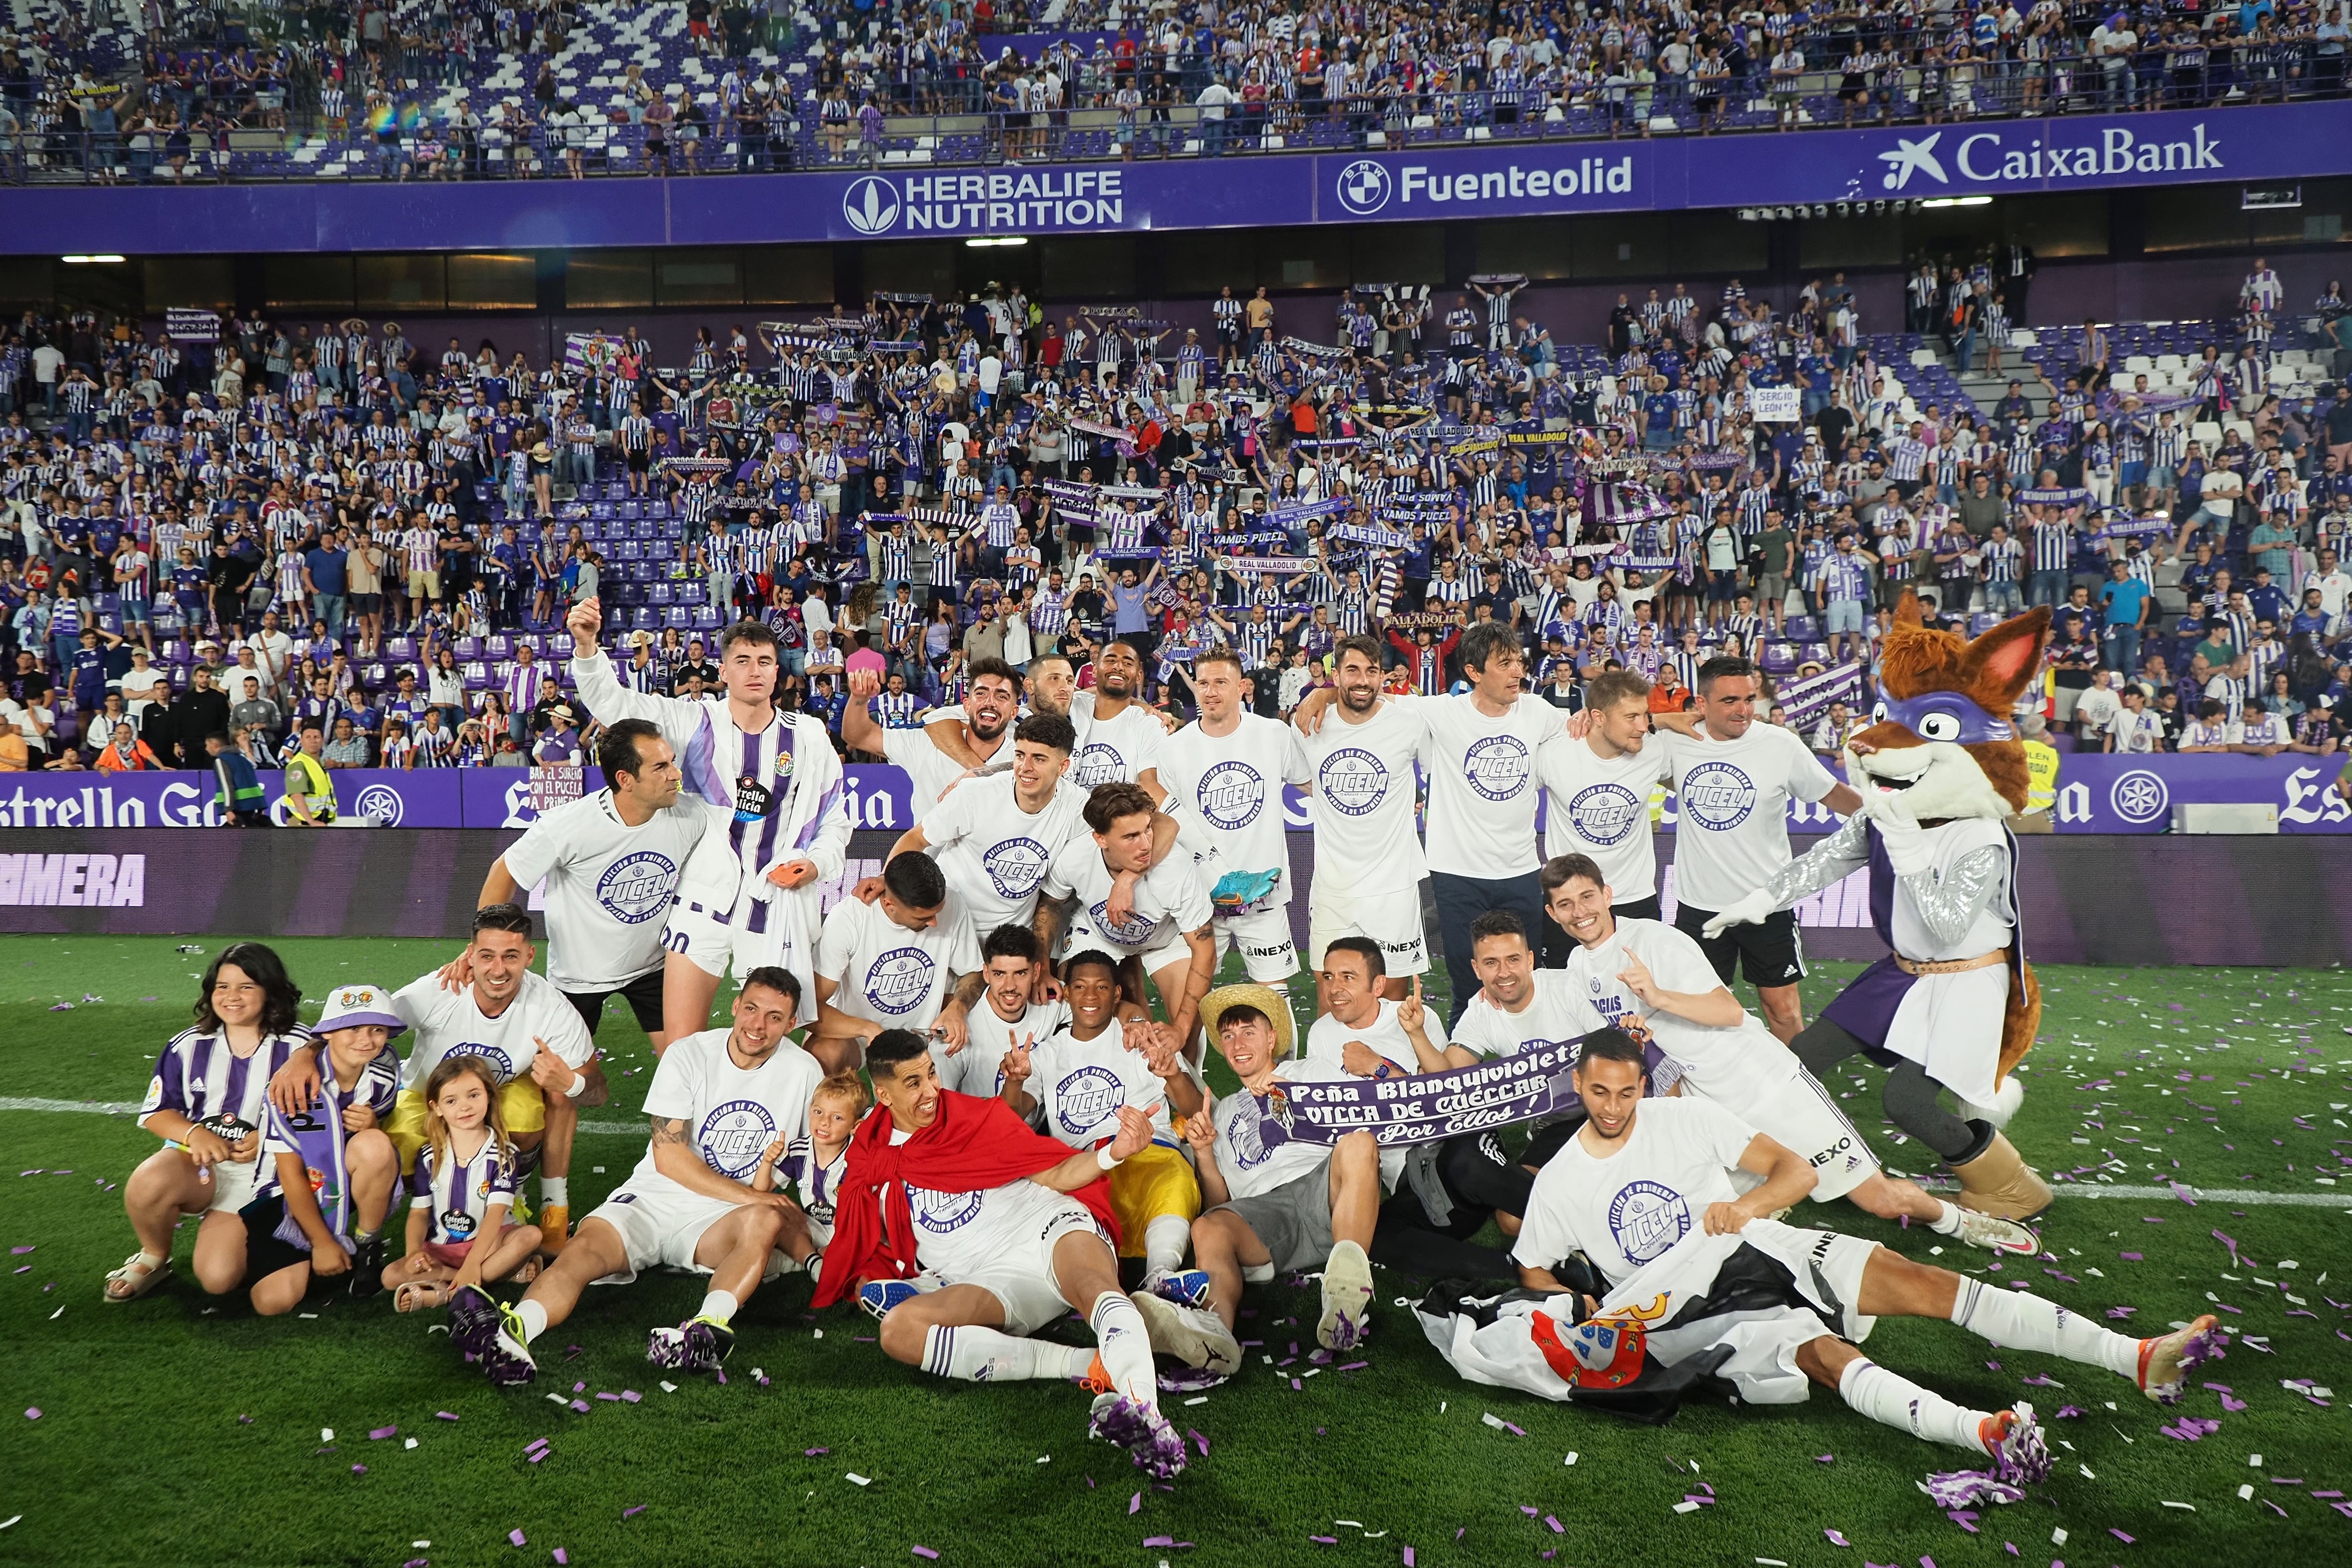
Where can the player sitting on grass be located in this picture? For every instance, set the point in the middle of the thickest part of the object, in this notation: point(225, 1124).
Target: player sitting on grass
point(205, 1102)
point(1640, 1205)
point(1083, 1074)
point(331, 1170)
point(460, 1231)
point(722, 1102)
point(1018, 1231)
point(1293, 1206)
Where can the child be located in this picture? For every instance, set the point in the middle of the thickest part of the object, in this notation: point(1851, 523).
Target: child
point(323, 1203)
point(466, 1179)
point(815, 1162)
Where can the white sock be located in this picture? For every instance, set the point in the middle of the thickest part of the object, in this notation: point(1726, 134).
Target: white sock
point(718, 1306)
point(555, 1189)
point(1897, 1401)
point(975, 1354)
point(1948, 1222)
point(1164, 1240)
point(534, 1320)
point(1125, 1347)
point(2019, 1322)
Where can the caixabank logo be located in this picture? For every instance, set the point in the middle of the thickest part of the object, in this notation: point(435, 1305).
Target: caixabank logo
point(2033, 153)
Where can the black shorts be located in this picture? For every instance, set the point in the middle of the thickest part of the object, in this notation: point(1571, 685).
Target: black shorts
point(366, 603)
point(1550, 1138)
point(1769, 954)
point(643, 994)
point(266, 1252)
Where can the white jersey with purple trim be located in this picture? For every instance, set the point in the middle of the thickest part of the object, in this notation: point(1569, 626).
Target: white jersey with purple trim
point(731, 1114)
point(378, 1089)
point(1119, 749)
point(959, 1233)
point(608, 884)
point(993, 853)
point(979, 1067)
point(815, 1187)
point(451, 1023)
point(1599, 806)
point(889, 974)
point(782, 784)
point(201, 1078)
point(1248, 1164)
point(1230, 787)
point(1171, 901)
point(458, 1194)
point(1737, 1065)
point(1627, 1210)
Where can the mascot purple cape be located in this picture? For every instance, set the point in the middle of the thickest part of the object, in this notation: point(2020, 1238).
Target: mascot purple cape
point(1955, 1006)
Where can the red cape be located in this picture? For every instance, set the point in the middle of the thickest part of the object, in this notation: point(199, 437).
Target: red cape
point(974, 1145)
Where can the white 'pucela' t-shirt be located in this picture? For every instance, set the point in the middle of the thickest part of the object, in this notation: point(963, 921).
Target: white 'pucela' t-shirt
point(731, 1114)
point(1120, 750)
point(608, 884)
point(1625, 1211)
point(888, 974)
point(994, 855)
point(1359, 779)
point(1731, 826)
point(1599, 807)
point(1171, 901)
point(1734, 1066)
point(450, 1023)
point(1482, 784)
point(1232, 785)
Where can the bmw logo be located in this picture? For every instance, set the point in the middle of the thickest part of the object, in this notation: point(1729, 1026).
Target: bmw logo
point(381, 803)
point(1363, 187)
point(870, 205)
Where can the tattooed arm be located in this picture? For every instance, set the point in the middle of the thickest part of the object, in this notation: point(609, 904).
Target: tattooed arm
point(676, 1157)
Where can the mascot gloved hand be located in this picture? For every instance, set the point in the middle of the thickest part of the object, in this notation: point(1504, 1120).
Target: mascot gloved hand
point(1954, 1006)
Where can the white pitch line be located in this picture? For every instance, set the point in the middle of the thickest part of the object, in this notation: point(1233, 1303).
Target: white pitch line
point(2064, 1189)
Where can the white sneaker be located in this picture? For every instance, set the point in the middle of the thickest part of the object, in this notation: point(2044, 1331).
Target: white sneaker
point(1995, 1234)
point(1347, 1299)
point(1197, 1338)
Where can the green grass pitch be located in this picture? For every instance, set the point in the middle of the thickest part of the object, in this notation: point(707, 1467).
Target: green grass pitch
point(179, 1429)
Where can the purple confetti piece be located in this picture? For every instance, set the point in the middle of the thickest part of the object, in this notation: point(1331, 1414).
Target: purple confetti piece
point(1836, 1539)
point(613, 1398)
point(244, 1420)
point(560, 1558)
point(632, 1395)
point(444, 1416)
point(1325, 1539)
point(33, 1414)
point(1159, 1541)
point(813, 1453)
point(1198, 1441)
point(1554, 1522)
point(534, 1458)
point(632, 1511)
point(1408, 1557)
point(358, 1469)
point(2119, 1535)
point(924, 1552)
point(381, 1433)
point(1135, 1505)
point(581, 1406)
point(1824, 1458)
point(18, 1251)
point(518, 1537)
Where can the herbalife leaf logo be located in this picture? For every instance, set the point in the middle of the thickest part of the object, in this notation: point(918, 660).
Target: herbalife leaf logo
point(1909, 156)
point(871, 204)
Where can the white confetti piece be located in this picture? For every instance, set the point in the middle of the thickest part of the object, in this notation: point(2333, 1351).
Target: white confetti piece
point(1491, 1419)
point(2058, 1536)
point(326, 1434)
point(2246, 1492)
point(1685, 1507)
point(12, 1519)
point(1571, 1457)
point(1198, 1400)
point(856, 1480)
point(1044, 1458)
point(666, 1388)
point(2254, 1461)
point(2188, 1506)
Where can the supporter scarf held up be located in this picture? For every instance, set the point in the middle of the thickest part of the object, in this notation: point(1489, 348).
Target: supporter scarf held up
point(974, 1144)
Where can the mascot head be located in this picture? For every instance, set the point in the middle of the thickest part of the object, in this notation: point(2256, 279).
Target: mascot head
point(1943, 736)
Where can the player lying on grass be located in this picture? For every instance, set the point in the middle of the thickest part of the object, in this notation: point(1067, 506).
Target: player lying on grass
point(206, 1103)
point(726, 1103)
point(1081, 1075)
point(460, 1229)
point(1648, 978)
point(529, 1034)
point(1011, 1231)
point(1639, 1210)
point(330, 1170)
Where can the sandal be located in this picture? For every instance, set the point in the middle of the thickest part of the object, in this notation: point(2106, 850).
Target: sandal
point(419, 1296)
point(530, 1271)
point(137, 1277)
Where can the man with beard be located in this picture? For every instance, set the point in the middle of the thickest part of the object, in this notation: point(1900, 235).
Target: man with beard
point(1358, 770)
point(1118, 735)
point(1048, 687)
point(992, 705)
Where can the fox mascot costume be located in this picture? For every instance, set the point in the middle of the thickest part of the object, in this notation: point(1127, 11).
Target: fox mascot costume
point(1955, 1005)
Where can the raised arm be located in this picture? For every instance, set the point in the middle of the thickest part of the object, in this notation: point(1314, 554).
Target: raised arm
point(602, 693)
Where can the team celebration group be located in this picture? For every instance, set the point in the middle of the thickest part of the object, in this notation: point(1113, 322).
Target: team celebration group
point(951, 1097)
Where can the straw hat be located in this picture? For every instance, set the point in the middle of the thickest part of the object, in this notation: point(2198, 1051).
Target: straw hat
point(1263, 999)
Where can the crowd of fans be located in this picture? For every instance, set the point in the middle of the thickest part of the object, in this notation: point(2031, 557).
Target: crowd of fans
point(153, 90)
point(326, 526)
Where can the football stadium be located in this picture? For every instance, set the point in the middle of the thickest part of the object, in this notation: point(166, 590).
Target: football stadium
point(1247, 781)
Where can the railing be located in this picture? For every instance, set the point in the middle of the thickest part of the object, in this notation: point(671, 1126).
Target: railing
point(2168, 79)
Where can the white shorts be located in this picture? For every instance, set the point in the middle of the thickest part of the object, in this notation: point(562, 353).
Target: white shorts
point(710, 942)
point(1800, 1114)
point(1262, 936)
point(234, 1185)
point(1021, 1276)
point(660, 1228)
point(1175, 950)
point(1392, 919)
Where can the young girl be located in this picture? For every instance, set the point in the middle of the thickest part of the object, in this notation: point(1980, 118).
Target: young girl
point(815, 1164)
point(206, 1103)
point(465, 1181)
point(332, 1169)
